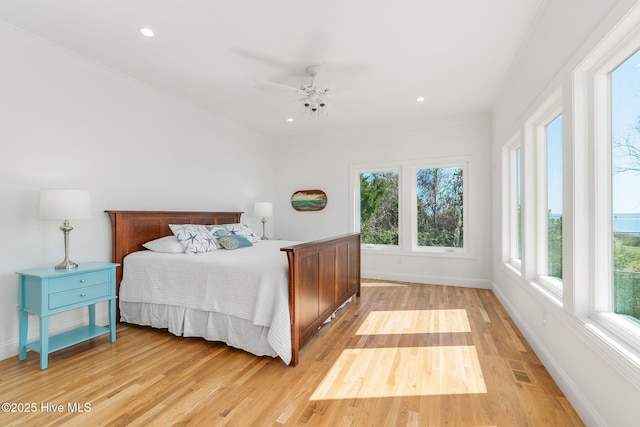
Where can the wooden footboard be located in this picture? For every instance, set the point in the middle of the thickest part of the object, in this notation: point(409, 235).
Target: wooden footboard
point(323, 274)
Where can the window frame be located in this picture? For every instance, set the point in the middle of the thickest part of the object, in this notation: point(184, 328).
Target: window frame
point(358, 170)
point(407, 206)
point(512, 187)
point(535, 195)
point(592, 251)
point(414, 205)
point(602, 283)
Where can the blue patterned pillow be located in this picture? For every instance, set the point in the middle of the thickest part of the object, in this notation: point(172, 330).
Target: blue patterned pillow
point(232, 241)
point(195, 238)
point(242, 230)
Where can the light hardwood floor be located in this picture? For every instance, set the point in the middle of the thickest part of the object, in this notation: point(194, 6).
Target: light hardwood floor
point(401, 355)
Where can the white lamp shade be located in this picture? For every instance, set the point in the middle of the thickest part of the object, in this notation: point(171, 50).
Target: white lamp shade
point(263, 209)
point(64, 204)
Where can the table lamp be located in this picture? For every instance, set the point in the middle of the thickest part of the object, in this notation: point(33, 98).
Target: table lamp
point(65, 205)
point(263, 209)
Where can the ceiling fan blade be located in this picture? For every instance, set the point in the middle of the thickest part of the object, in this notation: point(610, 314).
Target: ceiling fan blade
point(293, 101)
point(323, 76)
point(350, 93)
point(281, 86)
point(266, 59)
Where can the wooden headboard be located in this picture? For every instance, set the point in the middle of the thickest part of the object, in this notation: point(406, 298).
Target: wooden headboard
point(130, 229)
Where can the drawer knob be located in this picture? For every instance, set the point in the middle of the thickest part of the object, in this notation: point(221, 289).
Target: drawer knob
point(83, 294)
point(82, 280)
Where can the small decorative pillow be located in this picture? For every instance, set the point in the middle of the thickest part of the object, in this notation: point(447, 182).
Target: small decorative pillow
point(167, 245)
point(217, 230)
point(195, 238)
point(232, 241)
point(242, 230)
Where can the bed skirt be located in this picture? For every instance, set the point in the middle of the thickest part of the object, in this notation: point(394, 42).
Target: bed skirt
point(180, 321)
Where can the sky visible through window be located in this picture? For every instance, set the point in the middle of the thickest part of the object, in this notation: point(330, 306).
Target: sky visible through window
point(625, 181)
point(625, 123)
point(625, 113)
point(554, 166)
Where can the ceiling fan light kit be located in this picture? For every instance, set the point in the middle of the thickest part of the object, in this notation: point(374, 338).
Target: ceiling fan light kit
point(314, 103)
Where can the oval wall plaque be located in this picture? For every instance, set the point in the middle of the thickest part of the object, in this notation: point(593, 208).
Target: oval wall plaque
point(309, 200)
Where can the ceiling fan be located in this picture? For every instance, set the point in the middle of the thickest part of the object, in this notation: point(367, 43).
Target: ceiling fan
point(314, 91)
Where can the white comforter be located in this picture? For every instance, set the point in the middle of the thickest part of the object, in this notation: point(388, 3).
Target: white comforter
point(248, 283)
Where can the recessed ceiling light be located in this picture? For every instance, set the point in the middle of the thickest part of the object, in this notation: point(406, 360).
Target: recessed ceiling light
point(147, 32)
point(420, 99)
point(289, 119)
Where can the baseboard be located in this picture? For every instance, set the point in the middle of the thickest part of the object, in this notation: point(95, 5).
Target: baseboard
point(429, 280)
point(579, 401)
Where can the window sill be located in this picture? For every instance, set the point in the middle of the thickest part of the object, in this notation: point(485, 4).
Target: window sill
point(618, 353)
point(550, 293)
point(513, 269)
point(624, 329)
point(550, 287)
point(396, 251)
point(547, 292)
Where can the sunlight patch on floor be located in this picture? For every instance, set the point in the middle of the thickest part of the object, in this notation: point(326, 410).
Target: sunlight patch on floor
point(405, 371)
point(415, 322)
point(380, 284)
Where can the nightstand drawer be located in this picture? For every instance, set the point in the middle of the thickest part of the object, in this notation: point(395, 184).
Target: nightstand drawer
point(79, 295)
point(75, 281)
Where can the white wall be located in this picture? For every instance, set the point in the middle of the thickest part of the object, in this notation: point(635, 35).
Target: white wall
point(600, 381)
point(323, 162)
point(66, 122)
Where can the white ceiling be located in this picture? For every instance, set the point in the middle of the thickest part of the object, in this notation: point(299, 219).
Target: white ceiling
point(214, 53)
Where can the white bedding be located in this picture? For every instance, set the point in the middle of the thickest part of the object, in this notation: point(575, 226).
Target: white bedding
point(192, 295)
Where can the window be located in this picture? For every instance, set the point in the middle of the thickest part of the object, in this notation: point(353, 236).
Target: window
point(541, 182)
point(439, 207)
point(602, 278)
point(415, 206)
point(379, 207)
point(532, 180)
point(611, 78)
point(517, 203)
point(625, 181)
point(512, 203)
point(553, 137)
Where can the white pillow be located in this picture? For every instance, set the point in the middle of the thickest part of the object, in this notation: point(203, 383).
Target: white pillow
point(167, 245)
point(195, 238)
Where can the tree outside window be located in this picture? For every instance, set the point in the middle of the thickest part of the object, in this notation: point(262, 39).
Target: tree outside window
point(440, 207)
point(379, 207)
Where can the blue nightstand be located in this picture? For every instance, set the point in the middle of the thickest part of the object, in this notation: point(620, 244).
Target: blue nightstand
point(47, 291)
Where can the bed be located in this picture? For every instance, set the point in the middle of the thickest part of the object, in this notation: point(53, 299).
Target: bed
point(320, 276)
